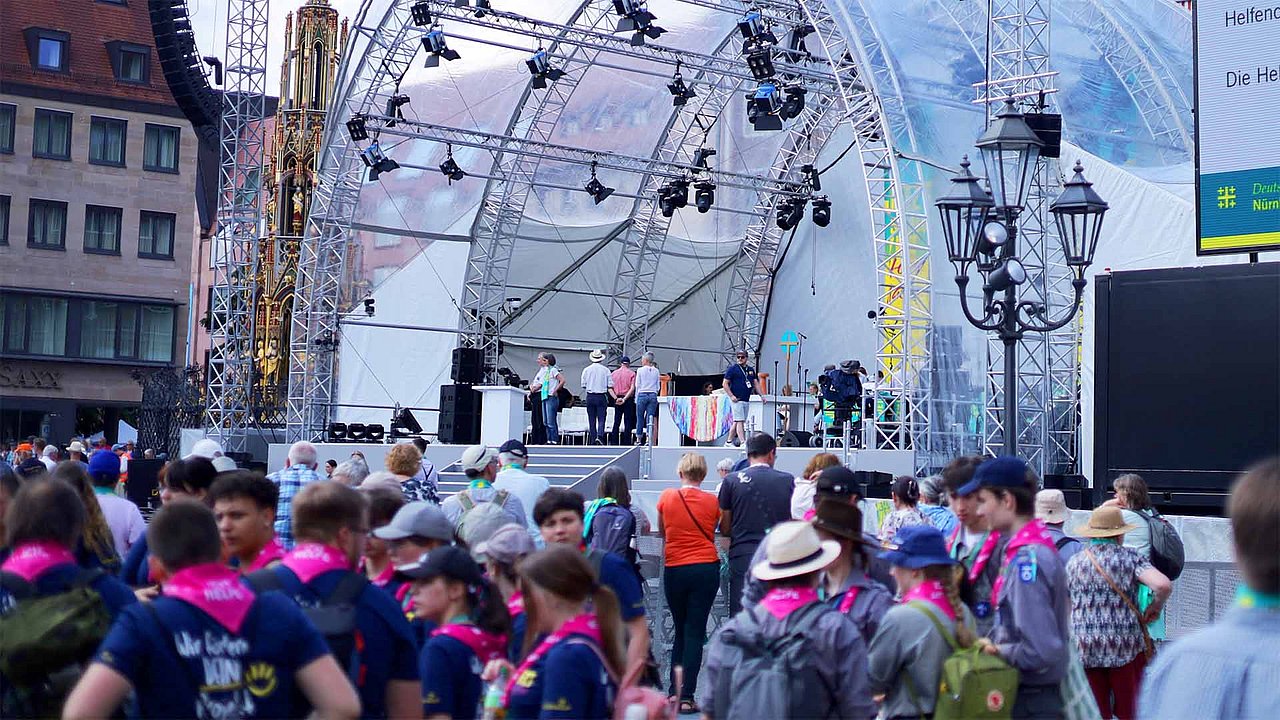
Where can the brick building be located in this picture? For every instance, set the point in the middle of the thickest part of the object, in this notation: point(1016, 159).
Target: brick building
point(97, 215)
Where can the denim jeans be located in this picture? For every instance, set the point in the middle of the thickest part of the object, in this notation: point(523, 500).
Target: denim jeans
point(691, 591)
point(550, 407)
point(646, 408)
point(597, 409)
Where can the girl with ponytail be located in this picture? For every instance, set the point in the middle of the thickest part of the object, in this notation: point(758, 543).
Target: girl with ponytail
point(573, 647)
point(916, 636)
point(449, 590)
point(906, 496)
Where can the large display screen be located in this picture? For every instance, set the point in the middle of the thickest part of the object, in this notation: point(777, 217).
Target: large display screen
point(1237, 121)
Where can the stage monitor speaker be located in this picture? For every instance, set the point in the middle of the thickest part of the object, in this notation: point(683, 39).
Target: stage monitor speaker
point(459, 415)
point(874, 484)
point(468, 365)
point(1048, 127)
point(1073, 490)
point(795, 438)
point(143, 488)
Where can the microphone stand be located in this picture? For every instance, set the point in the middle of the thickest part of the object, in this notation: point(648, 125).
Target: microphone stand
point(775, 391)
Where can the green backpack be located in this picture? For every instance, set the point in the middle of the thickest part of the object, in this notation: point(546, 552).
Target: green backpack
point(974, 685)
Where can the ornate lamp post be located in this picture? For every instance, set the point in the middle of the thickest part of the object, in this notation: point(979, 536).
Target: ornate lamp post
point(981, 228)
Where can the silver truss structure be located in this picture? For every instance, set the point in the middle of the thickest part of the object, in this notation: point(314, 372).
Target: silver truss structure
point(230, 368)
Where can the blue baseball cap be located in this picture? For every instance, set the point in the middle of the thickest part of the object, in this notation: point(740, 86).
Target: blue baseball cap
point(1006, 471)
point(104, 463)
point(917, 546)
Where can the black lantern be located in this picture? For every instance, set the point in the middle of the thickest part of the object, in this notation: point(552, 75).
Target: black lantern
point(1010, 149)
point(1078, 212)
point(964, 213)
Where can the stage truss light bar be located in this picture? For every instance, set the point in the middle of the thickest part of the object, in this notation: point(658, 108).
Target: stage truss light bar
point(434, 43)
point(542, 70)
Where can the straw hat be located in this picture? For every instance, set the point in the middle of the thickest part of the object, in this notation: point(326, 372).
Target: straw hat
point(1104, 522)
point(794, 548)
point(1051, 506)
point(596, 356)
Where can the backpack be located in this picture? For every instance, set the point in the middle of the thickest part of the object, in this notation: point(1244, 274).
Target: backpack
point(335, 617)
point(612, 528)
point(481, 519)
point(631, 694)
point(1064, 541)
point(45, 642)
point(775, 677)
point(1166, 547)
point(974, 685)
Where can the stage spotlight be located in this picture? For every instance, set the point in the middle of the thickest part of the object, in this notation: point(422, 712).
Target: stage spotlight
point(377, 161)
point(822, 211)
point(679, 191)
point(790, 213)
point(421, 12)
point(794, 104)
point(337, 431)
point(754, 30)
point(705, 196)
point(811, 177)
point(482, 7)
point(701, 155)
point(375, 433)
point(760, 62)
point(1011, 272)
point(763, 106)
point(666, 201)
point(596, 189)
point(542, 70)
point(680, 93)
point(636, 18)
point(369, 306)
point(796, 51)
point(355, 431)
point(449, 168)
point(434, 43)
point(357, 129)
point(394, 103)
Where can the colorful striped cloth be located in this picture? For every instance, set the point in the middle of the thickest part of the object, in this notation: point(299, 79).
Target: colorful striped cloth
point(702, 417)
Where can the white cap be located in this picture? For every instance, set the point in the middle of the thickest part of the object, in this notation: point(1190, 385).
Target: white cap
point(206, 448)
point(476, 458)
point(222, 463)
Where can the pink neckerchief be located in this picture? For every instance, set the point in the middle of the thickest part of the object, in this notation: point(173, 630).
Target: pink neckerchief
point(216, 590)
point(781, 602)
point(850, 597)
point(515, 604)
point(384, 578)
point(1033, 533)
point(273, 551)
point(584, 624)
point(30, 560)
point(984, 553)
point(810, 514)
point(932, 592)
point(486, 646)
point(308, 560)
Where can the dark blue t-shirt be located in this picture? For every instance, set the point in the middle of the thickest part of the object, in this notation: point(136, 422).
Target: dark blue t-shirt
point(621, 579)
point(389, 651)
point(193, 667)
point(57, 579)
point(519, 622)
point(450, 678)
point(136, 568)
point(742, 381)
point(570, 682)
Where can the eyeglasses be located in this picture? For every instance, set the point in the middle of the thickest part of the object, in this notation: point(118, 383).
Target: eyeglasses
point(742, 357)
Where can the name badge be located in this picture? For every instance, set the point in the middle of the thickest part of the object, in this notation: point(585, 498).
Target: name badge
point(1027, 568)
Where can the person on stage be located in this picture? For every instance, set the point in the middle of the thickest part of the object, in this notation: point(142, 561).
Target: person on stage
point(740, 381)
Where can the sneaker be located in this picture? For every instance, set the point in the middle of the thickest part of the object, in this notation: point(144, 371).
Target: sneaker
point(737, 442)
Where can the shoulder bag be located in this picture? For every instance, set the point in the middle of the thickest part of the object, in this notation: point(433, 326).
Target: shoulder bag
point(1148, 648)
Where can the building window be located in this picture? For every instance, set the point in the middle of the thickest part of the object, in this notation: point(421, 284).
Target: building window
point(102, 229)
point(8, 119)
point(90, 329)
point(106, 141)
point(47, 49)
point(47, 225)
point(127, 337)
point(130, 62)
point(156, 337)
point(52, 137)
point(160, 150)
point(15, 329)
point(35, 325)
point(4, 219)
point(155, 235)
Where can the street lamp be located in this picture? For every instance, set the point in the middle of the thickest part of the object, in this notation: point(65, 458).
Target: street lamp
point(981, 228)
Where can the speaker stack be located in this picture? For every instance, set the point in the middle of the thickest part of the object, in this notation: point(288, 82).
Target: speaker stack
point(468, 366)
point(1073, 488)
point(459, 415)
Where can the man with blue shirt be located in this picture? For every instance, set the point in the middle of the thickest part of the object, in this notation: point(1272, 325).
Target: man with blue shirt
point(559, 514)
point(299, 471)
point(330, 523)
point(740, 381)
point(208, 647)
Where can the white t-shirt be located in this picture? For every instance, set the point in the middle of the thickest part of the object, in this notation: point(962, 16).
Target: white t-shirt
point(528, 487)
point(648, 380)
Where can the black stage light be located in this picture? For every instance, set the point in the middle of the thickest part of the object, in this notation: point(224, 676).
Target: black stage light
point(796, 51)
point(701, 155)
point(482, 7)
point(357, 129)
point(763, 106)
point(542, 70)
point(596, 189)
point(434, 43)
point(754, 30)
point(679, 190)
point(355, 431)
point(790, 212)
point(377, 161)
point(394, 103)
point(337, 431)
point(449, 168)
point(636, 18)
point(680, 92)
point(705, 196)
point(404, 420)
point(794, 104)
point(421, 12)
point(375, 432)
point(822, 211)
point(369, 306)
point(760, 62)
point(811, 176)
point(666, 201)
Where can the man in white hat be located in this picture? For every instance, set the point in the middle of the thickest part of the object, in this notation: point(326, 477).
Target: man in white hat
point(75, 451)
point(830, 678)
point(596, 381)
point(1051, 508)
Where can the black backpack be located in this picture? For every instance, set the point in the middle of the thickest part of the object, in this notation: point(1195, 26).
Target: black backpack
point(335, 617)
point(1167, 553)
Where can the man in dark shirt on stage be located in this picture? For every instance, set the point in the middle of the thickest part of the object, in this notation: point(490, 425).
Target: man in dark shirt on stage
point(751, 502)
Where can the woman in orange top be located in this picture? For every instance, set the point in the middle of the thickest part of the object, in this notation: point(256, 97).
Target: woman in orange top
point(687, 519)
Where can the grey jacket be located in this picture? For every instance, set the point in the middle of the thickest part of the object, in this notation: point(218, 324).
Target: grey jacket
point(907, 645)
point(869, 606)
point(1033, 620)
point(842, 658)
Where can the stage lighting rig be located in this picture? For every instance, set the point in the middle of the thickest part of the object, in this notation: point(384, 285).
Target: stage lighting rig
point(755, 31)
point(421, 12)
point(356, 129)
point(680, 92)
point(542, 70)
point(377, 161)
point(449, 168)
point(790, 212)
point(811, 177)
point(796, 51)
point(822, 211)
point(763, 106)
point(794, 104)
point(673, 196)
point(636, 18)
point(760, 62)
point(394, 103)
point(701, 156)
point(596, 189)
point(705, 196)
point(434, 43)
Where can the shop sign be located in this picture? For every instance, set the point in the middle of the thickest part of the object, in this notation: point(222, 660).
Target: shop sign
point(12, 376)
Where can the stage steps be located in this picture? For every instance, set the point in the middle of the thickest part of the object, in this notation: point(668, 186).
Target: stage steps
point(576, 467)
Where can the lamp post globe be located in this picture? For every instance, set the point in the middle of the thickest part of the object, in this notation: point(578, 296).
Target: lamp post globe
point(1010, 150)
point(964, 213)
point(1078, 213)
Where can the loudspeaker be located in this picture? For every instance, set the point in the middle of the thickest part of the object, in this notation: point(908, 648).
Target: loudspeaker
point(1048, 127)
point(459, 415)
point(795, 438)
point(1073, 490)
point(468, 365)
point(874, 484)
point(143, 488)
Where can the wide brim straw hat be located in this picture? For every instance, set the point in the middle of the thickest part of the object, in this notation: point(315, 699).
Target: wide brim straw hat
point(1104, 522)
point(793, 548)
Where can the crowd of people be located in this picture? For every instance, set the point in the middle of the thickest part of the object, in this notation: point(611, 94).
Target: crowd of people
point(331, 590)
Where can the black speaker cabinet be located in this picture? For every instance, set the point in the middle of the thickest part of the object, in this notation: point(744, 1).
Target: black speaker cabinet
point(468, 365)
point(459, 415)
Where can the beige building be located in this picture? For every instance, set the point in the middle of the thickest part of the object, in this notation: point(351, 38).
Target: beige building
point(97, 218)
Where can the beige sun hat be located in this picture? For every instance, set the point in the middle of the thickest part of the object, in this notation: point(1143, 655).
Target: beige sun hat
point(794, 548)
point(1051, 506)
point(1104, 522)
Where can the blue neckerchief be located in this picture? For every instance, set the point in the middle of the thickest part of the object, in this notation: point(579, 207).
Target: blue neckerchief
point(1103, 541)
point(479, 484)
point(1247, 597)
point(592, 508)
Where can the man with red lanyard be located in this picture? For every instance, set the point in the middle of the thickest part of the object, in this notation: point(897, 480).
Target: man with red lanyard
point(244, 504)
point(972, 543)
point(1033, 607)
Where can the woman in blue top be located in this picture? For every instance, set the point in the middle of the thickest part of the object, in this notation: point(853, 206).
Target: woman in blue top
point(472, 625)
point(570, 672)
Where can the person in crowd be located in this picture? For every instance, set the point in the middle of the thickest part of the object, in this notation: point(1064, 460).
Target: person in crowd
point(480, 464)
point(687, 520)
point(30, 468)
point(802, 502)
point(751, 502)
point(559, 514)
point(622, 392)
point(501, 553)
point(208, 644)
point(404, 461)
point(472, 625)
point(48, 456)
point(299, 471)
point(416, 528)
point(611, 523)
point(596, 381)
point(329, 466)
point(244, 504)
point(546, 386)
point(740, 382)
point(834, 682)
point(96, 548)
point(569, 672)
point(189, 478)
point(9, 485)
point(724, 467)
point(76, 452)
point(225, 464)
point(1134, 501)
point(973, 543)
point(350, 473)
point(427, 479)
point(122, 516)
point(648, 383)
point(330, 522)
point(207, 448)
point(905, 493)
point(361, 464)
point(1228, 669)
point(526, 486)
point(376, 563)
point(916, 637)
point(1033, 609)
point(1103, 581)
point(848, 588)
point(23, 451)
point(932, 491)
point(382, 480)
point(1051, 509)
